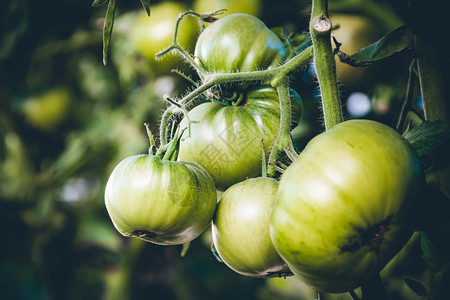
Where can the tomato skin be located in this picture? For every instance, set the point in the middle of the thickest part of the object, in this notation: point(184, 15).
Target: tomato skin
point(150, 35)
point(173, 201)
point(238, 43)
point(350, 183)
point(354, 33)
point(227, 139)
point(251, 7)
point(240, 229)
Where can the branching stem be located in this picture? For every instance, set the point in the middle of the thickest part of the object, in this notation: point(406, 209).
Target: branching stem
point(324, 63)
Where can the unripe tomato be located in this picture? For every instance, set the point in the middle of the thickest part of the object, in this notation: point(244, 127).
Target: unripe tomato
point(240, 229)
point(251, 7)
point(355, 32)
point(47, 109)
point(342, 208)
point(160, 201)
point(238, 43)
point(226, 141)
point(150, 35)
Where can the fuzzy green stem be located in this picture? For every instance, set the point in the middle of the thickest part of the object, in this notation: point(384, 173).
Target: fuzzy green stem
point(175, 46)
point(182, 108)
point(283, 141)
point(164, 125)
point(324, 63)
point(152, 148)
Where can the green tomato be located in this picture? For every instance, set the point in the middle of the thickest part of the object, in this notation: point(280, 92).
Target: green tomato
point(240, 229)
point(160, 201)
point(342, 210)
point(251, 7)
point(150, 35)
point(226, 140)
point(238, 43)
point(48, 109)
point(354, 33)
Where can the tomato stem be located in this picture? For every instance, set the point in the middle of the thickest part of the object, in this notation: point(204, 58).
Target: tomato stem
point(175, 46)
point(283, 141)
point(324, 63)
point(182, 108)
point(152, 148)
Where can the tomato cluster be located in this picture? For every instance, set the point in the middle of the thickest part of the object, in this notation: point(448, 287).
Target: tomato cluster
point(339, 212)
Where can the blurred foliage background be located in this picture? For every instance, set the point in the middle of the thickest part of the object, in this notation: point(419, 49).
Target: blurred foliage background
point(66, 120)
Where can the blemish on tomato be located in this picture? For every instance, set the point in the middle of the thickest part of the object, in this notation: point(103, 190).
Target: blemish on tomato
point(143, 234)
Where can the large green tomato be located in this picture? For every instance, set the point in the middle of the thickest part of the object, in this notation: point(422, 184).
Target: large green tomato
point(251, 7)
point(160, 201)
point(342, 208)
point(238, 43)
point(226, 141)
point(240, 229)
point(150, 35)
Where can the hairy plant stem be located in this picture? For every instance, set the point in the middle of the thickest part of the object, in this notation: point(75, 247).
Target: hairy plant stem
point(276, 76)
point(324, 63)
point(283, 141)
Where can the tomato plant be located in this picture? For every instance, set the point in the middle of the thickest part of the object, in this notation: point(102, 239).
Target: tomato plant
point(240, 229)
point(159, 200)
point(238, 43)
point(343, 207)
point(226, 140)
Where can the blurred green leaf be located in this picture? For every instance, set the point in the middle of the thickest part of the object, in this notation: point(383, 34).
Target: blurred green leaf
point(428, 136)
point(98, 2)
point(416, 286)
point(146, 5)
point(431, 254)
point(107, 29)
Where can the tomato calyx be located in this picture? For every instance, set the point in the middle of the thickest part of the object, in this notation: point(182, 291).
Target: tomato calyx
point(372, 237)
point(168, 151)
point(226, 98)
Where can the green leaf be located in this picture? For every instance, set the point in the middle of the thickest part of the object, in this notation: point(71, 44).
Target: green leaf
point(107, 29)
point(428, 136)
point(392, 43)
point(430, 254)
point(146, 5)
point(98, 2)
point(416, 286)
